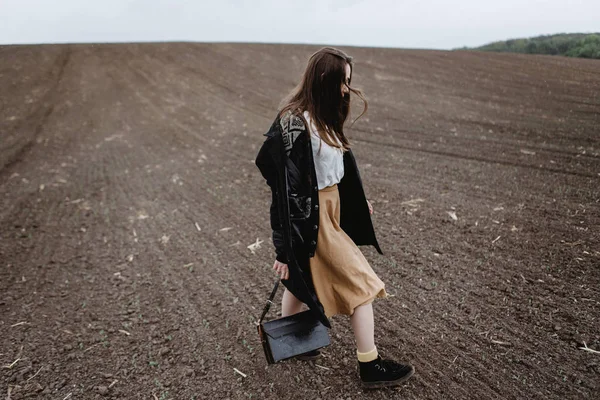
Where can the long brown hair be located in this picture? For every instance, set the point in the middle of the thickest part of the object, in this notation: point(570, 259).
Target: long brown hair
point(319, 93)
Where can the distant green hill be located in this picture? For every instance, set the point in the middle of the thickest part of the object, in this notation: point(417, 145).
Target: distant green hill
point(585, 45)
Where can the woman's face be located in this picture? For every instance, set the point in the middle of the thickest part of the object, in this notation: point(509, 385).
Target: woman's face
point(345, 89)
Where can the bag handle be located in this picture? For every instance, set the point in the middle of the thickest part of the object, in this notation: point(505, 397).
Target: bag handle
point(269, 301)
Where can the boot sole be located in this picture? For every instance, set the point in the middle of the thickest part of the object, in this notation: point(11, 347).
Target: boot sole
point(308, 358)
point(383, 384)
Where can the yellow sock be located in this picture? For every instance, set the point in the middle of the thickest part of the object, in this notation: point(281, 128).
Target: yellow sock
point(368, 356)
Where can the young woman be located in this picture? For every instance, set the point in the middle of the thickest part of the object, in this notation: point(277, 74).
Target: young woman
point(309, 165)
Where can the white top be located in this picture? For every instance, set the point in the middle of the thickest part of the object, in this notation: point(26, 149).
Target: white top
point(329, 162)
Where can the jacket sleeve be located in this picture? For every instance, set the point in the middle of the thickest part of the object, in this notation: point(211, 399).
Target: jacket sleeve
point(265, 164)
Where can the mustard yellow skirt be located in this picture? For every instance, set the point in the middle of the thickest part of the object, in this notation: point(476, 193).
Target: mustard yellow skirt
point(341, 274)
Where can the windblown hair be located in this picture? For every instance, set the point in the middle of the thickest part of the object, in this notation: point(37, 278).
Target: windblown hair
point(320, 93)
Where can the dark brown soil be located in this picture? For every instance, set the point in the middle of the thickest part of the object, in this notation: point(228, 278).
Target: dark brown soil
point(129, 197)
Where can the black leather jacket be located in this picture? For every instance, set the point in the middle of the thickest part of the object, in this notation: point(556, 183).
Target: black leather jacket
point(286, 162)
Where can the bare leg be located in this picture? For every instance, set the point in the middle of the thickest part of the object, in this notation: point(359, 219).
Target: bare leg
point(364, 328)
point(290, 304)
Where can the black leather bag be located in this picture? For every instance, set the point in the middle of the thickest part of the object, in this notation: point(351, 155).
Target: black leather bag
point(290, 336)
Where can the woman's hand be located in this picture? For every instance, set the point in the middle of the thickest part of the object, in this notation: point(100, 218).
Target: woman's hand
point(370, 207)
point(281, 269)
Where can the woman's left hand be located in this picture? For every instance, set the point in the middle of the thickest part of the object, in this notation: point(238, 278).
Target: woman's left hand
point(370, 207)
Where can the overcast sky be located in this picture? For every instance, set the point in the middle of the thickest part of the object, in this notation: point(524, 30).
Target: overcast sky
point(438, 24)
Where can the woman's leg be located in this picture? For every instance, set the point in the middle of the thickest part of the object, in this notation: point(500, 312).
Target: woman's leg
point(374, 372)
point(290, 304)
point(364, 331)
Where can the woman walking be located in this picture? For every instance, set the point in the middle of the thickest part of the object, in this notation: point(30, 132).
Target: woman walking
point(316, 189)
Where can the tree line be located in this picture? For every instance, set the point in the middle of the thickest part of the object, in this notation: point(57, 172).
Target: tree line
point(565, 44)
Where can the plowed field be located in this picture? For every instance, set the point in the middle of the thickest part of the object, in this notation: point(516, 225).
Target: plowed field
point(129, 197)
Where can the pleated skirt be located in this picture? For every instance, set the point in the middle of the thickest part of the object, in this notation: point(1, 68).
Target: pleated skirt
point(342, 276)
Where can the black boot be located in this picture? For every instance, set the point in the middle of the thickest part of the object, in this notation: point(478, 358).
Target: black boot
point(383, 373)
point(309, 356)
